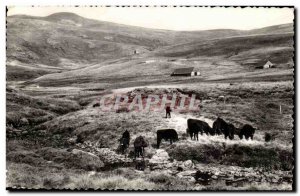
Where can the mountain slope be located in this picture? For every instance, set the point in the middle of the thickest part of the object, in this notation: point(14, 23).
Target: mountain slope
point(57, 44)
point(236, 46)
point(62, 37)
point(228, 56)
point(50, 43)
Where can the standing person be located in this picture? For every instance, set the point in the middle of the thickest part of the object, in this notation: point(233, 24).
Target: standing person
point(168, 111)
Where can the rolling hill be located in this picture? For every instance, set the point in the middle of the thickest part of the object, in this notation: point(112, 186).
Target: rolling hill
point(275, 47)
point(227, 56)
point(65, 45)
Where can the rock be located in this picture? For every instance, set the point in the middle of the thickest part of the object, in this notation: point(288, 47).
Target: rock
point(72, 140)
point(91, 173)
point(24, 121)
point(160, 157)
point(157, 167)
point(169, 165)
point(81, 152)
point(186, 174)
point(275, 179)
point(214, 177)
point(188, 164)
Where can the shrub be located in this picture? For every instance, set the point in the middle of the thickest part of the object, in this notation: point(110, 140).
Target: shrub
point(268, 137)
point(55, 181)
point(238, 155)
point(160, 178)
point(78, 159)
point(110, 183)
point(250, 156)
point(200, 153)
point(168, 182)
point(286, 159)
point(23, 156)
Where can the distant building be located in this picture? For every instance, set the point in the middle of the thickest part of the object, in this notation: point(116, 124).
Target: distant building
point(189, 71)
point(135, 52)
point(268, 65)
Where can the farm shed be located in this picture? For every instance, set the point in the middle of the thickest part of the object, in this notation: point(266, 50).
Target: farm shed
point(268, 65)
point(189, 71)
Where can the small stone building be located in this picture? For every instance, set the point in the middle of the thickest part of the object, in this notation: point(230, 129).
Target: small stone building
point(268, 65)
point(189, 71)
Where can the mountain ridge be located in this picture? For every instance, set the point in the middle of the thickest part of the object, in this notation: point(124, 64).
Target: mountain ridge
point(69, 15)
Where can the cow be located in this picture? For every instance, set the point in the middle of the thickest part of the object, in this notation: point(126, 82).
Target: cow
point(195, 126)
point(247, 131)
point(123, 145)
point(222, 127)
point(124, 142)
point(166, 134)
point(139, 146)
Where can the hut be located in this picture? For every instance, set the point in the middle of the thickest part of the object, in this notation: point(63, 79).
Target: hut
point(268, 65)
point(189, 71)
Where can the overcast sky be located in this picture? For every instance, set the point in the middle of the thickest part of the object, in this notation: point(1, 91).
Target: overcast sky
point(174, 18)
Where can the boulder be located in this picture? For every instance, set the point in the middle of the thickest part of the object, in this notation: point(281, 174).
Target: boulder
point(160, 157)
point(85, 160)
point(83, 153)
point(188, 164)
point(72, 140)
point(24, 121)
point(187, 173)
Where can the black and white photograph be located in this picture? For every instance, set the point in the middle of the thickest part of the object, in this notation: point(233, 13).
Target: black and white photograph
point(150, 98)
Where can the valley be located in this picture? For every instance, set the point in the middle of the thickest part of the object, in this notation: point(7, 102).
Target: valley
point(59, 66)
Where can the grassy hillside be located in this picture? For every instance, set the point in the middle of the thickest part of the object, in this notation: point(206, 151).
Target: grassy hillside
point(277, 48)
point(65, 39)
point(71, 40)
point(233, 57)
point(24, 112)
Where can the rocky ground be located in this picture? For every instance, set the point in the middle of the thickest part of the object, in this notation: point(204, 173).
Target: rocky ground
point(211, 175)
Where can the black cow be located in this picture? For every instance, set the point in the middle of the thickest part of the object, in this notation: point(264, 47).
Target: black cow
point(139, 146)
point(166, 134)
point(222, 127)
point(124, 142)
point(247, 131)
point(196, 126)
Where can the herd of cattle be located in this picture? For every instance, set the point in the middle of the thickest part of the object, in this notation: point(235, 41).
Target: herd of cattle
point(195, 127)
